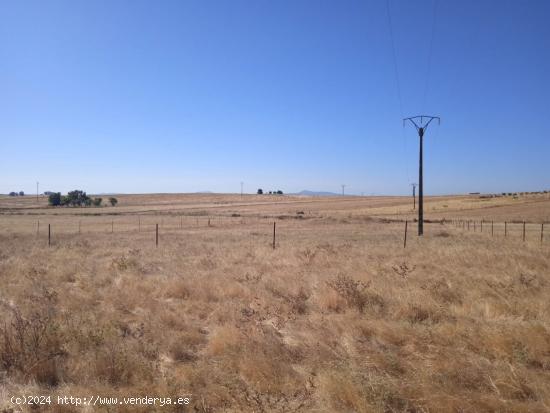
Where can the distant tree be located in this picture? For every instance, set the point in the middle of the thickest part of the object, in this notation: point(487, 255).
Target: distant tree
point(97, 202)
point(270, 192)
point(78, 198)
point(13, 193)
point(21, 193)
point(54, 199)
point(260, 191)
point(113, 201)
point(279, 192)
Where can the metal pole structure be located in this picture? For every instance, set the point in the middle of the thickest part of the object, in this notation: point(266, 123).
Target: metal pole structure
point(274, 235)
point(157, 236)
point(343, 187)
point(414, 196)
point(421, 127)
point(405, 240)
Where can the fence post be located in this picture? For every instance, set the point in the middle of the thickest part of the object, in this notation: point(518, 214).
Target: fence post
point(38, 228)
point(505, 228)
point(405, 240)
point(49, 235)
point(474, 225)
point(492, 229)
point(157, 236)
point(79, 227)
point(523, 231)
point(112, 226)
point(541, 232)
point(181, 222)
point(139, 223)
point(208, 221)
point(481, 225)
point(468, 225)
point(274, 234)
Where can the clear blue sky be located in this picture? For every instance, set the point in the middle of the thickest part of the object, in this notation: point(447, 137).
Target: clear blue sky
point(181, 96)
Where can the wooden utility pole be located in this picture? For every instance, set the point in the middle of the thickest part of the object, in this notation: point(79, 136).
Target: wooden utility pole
point(421, 126)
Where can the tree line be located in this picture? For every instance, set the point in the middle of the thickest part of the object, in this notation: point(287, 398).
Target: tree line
point(77, 198)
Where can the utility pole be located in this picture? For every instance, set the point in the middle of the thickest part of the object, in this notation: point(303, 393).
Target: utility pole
point(242, 183)
point(421, 124)
point(36, 191)
point(414, 196)
point(343, 187)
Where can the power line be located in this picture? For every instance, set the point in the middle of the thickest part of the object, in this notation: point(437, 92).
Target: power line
point(396, 72)
point(426, 85)
point(398, 86)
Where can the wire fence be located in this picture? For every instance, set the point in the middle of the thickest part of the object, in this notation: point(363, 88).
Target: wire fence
point(268, 228)
point(521, 230)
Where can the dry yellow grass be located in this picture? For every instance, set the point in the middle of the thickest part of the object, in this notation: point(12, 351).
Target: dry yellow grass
point(339, 317)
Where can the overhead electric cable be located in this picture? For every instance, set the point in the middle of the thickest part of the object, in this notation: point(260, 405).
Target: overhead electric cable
point(430, 53)
point(398, 85)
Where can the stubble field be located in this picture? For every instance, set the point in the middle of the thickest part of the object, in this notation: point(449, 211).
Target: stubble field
point(339, 316)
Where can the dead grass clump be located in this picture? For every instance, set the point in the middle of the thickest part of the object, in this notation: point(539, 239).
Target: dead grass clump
point(127, 361)
point(343, 394)
point(225, 340)
point(178, 288)
point(180, 351)
point(32, 342)
point(421, 314)
point(356, 293)
point(330, 300)
point(442, 292)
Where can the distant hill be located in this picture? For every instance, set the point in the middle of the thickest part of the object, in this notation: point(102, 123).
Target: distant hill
point(316, 193)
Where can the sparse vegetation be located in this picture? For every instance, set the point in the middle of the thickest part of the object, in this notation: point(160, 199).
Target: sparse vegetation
point(338, 318)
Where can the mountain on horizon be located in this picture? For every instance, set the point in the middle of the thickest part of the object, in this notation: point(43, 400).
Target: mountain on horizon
point(306, 192)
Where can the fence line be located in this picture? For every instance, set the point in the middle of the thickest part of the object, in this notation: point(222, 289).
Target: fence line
point(524, 228)
point(514, 230)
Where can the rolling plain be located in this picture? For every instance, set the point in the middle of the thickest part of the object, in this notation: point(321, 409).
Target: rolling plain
point(335, 316)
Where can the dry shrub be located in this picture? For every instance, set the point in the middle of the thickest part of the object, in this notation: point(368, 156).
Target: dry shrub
point(124, 361)
point(181, 352)
point(32, 342)
point(356, 293)
point(443, 293)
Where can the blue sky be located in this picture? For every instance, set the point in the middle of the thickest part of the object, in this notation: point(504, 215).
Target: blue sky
point(182, 96)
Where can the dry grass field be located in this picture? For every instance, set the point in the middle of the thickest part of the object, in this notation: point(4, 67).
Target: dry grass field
point(339, 317)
